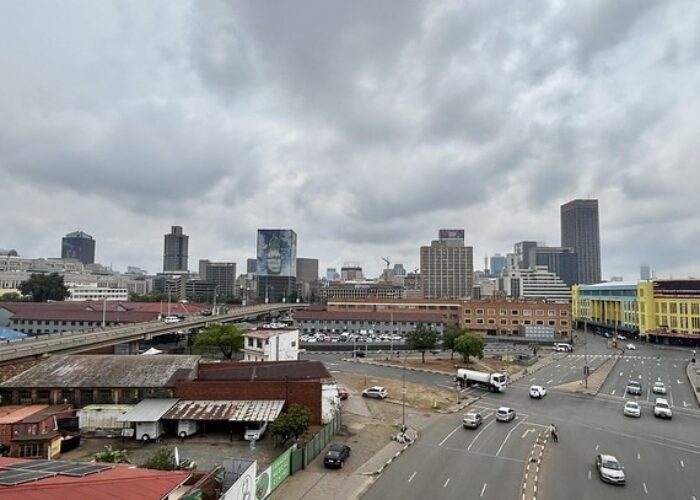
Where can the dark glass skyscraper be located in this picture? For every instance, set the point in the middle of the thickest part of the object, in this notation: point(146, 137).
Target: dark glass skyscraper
point(580, 230)
point(175, 250)
point(80, 246)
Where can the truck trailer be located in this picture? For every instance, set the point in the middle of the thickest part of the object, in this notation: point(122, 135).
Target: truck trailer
point(494, 382)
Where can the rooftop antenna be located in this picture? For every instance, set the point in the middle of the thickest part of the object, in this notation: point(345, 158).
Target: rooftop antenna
point(386, 259)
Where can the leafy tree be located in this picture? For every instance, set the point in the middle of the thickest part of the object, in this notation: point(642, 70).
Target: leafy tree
point(292, 423)
point(470, 344)
point(150, 297)
point(43, 287)
point(112, 456)
point(163, 459)
point(421, 339)
point(11, 297)
point(228, 338)
point(452, 332)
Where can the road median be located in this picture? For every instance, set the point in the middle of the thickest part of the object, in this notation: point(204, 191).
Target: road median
point(595, 380)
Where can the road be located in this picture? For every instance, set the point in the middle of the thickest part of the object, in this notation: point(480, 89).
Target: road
point(661, 457)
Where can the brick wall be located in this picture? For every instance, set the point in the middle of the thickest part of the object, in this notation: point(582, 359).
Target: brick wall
point(307, 393)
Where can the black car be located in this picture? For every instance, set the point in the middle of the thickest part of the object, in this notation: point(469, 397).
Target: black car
point(336, 456)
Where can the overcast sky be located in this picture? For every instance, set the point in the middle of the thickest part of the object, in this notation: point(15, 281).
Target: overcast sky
point(365, 126)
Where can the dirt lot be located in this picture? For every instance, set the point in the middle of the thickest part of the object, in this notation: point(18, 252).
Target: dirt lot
point(445, 364)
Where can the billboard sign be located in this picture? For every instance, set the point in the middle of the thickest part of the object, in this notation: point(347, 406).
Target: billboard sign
point(451, 234)
point(277, 252)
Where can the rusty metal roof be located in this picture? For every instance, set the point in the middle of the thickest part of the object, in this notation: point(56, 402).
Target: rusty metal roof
point(231, 410)
point(121, 371)
point(265, 370)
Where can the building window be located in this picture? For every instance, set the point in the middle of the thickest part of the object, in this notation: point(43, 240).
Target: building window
point(514, 312)
point(527, 322)
point(551, 312)
point(563, 313)
point(467, 311)
point(479, 321)
point(104, 396)
point(25, 397)
point(294, 343)
point(527, 312)
point(30, 450)
point(551, 322)
point(479, 311)
point(503, 312)
point(540, 322)
point(514, 322)
point(492, 321)
point(504, 321)
point(674, 309)
point(564, 323)
point(468, 321)
point(539, 312)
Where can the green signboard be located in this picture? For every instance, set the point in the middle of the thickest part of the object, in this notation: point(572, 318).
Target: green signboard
point(269, 479)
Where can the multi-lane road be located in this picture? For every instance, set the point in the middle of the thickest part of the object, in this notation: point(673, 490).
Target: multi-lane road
point(661, 457)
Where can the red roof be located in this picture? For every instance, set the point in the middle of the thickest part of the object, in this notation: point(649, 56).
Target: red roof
point(396, 316)
point(120, 482)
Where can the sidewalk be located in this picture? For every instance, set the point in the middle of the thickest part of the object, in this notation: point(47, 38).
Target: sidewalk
point(693, 372)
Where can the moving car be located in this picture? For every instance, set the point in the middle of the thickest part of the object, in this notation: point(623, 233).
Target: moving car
point(375, 392)
point(631, 347)
point(171, 319)
point(610, 469)
point(662, 409)
point(505, 414)
point(563, 347)
point(343, 392)
point(658, 388)
point(632, 409)
point(537, 391)
point(472, 420)
point(634, 388)
point(621, 337)
point(336, 456)
point(254, 431)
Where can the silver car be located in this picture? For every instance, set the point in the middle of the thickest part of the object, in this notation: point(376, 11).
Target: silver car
point(659, 388)
point(632, 409)
point(610, 469)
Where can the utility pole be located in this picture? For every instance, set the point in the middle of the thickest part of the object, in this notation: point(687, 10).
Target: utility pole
point(104, 312)
point(585, 351)
point(403, 396)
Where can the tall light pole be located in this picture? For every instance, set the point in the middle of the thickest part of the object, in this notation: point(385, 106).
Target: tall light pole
point(403, 396)
point(104, 311)
point(585, 351)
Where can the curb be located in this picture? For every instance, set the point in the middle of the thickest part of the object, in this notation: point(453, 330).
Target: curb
point(691, 380)
point(388, 462)
point(408, 368)
point(532, 469)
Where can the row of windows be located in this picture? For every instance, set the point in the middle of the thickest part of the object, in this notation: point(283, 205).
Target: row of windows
point(367, 324)
point(491, 321)
point(678, 308)
point(516, 312)
point(50, 322)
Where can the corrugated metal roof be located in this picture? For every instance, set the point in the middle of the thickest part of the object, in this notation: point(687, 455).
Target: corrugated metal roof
point(148, 410)
point(82, 370)
point(272, 370)
point(20, 412)
point(234, 411)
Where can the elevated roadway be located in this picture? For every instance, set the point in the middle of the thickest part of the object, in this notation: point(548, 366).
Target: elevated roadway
point(71, 342)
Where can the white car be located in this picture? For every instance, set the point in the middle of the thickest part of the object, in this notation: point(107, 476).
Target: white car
point(375, 392)
point(610, 469)
point(537, 391)
point(631, 347)
point(621, 337)
point(662, 409)
point(254, 431)
point(632, 409)
point(505, 414)
point(659, 388)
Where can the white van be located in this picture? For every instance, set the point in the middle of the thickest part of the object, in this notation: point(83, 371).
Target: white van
point(563, 347)
point(171, 319)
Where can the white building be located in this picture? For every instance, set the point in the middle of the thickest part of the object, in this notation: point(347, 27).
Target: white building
point(532, 283)
point(273, 342)
point(94, 292)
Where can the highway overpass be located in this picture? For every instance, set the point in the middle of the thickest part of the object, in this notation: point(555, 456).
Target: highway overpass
point(84, 340)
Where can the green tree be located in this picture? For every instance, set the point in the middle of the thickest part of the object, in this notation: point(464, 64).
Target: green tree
point(470, 344)
point(228, 338)
point(452, 332)
point(112, 456)
point(10, 297)
point(163, 459)
point(292, 423)
point(421, 339)
point(43, 287)
point(151, 297)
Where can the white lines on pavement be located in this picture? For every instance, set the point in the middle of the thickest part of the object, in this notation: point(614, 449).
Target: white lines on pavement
point(500, 448)
point(411, 478)
point(589, 475)
point(612, 393)
point(483, 489)
point(479, 434)
point(446, 483)
point(532, 379)
point(550, 381)
point(693, 498)
point(640, 376)
point(526, 433)
point(596, 447)
point(557, 366)
point(682, 464)
point(644, 485)
point(639, 457)
point(449, 435)
point(621, 373)
point(679, 382)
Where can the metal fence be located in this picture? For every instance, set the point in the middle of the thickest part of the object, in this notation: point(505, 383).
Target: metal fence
point(301, 457)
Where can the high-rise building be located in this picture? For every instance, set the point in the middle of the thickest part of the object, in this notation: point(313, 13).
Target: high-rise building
point(80, 246)
point(277, 264)
point(251, 266)
point(645, 272)
point(535, 282)
point(447, 266)
point(522, 253)
point(175, 250)
point(307, 270)
point(332, 274)
point(580, 230)
point(351, 271)
point(222, 274)
point(498, 262)
point(559, 260)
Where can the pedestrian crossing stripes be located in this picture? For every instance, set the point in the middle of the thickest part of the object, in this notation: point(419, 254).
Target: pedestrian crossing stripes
point(626, 356)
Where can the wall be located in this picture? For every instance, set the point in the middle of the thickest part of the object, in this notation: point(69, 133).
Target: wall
point(329, 401)
point(305, 392)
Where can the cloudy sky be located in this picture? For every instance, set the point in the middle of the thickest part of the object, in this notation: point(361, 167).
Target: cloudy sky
point(365, 126)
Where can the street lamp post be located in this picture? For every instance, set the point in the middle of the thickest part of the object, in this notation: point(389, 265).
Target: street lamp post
point(585, 351)
point(403, 396)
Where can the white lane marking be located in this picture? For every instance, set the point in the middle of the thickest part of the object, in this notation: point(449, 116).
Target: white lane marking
point(682, 464)
point(449, 435)
point(685, 405)
point(550, 381)
point(675, 366)
point(411, 478)
point(639, 457)
point(613, 392)
point(483, 488)
point(557, 366)
point(679, 382)
point(670, 398)
point(446, 483)
point(479, 434)
point(596, 447)
point(526, 433)
point(644, 485)
point(532, 379)
point(640, 376)
point(507, 436)
point(589, 475)
point(621, 373)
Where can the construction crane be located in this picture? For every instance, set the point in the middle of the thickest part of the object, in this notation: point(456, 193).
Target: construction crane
point(386, 259)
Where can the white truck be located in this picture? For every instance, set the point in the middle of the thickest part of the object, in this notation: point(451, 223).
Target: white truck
point(494, 382)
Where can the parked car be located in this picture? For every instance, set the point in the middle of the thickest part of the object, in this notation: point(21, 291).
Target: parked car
point(472, 420)
point(632, 409)
point(610, 469)
point(254, 431)
point(505, 414)
point(662, 409)
point(621, 337)
point(343, 392)
point(631, 347)
point(206, 312)
point(537, 391)
point(375, 392)
point(336, 456)
point(658, 388)
point(634, 388)
point(360, 354)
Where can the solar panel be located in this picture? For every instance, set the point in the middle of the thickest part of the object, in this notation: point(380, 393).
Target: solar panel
point(85, 470)
point(76, 469)
point(15, 477)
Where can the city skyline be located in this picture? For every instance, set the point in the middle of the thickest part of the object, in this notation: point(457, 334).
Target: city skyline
point(126, 119)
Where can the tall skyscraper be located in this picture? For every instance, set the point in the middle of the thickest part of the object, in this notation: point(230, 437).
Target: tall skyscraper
point(498, 262)
point(221, 274)
point(447, 266)
point(251, 266)
point(580, 230)
point(277, 264)
point(80, 246)
point(307, 270)
point(175, 250)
